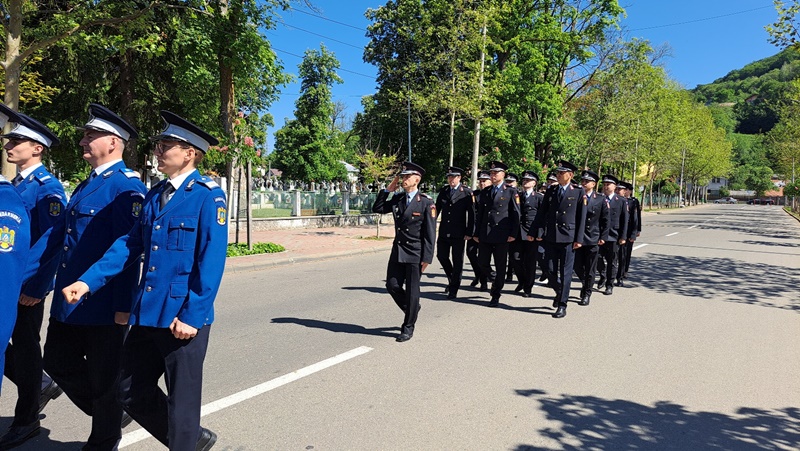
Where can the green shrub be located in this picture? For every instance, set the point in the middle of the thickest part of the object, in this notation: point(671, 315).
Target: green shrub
point(236, 250)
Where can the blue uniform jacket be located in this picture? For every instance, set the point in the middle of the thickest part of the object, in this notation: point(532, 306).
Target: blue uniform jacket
point(45, 201)
point(101, 209)
point(184, 249)
point(15, 243)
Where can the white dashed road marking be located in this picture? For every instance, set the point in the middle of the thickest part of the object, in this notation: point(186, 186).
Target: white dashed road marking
point(141, 434)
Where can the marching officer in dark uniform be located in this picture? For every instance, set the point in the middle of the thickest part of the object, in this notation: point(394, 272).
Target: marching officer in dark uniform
point(634, 229)
point(496, 225)
point(15, 243)
point(514, 253)
point(412, 251)
point(182, 232)
point(560, 223)
point(530, 201)
point(455, 204)
point(595, 235)
point(472, 245)
point(84, 339)
point(617, 234)
point(44, 200)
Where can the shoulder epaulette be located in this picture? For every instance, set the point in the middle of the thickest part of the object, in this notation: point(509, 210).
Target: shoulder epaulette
point(425, 195)
point(207, 182)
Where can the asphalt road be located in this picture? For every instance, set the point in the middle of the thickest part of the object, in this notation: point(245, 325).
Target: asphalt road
point(698, 351)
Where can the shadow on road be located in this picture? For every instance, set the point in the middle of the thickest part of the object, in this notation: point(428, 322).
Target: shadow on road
point(729, 279)
point(339, 327)
point(43, 442)
point(593, 423)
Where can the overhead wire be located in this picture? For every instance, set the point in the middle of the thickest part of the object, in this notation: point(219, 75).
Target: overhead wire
point(702, 20)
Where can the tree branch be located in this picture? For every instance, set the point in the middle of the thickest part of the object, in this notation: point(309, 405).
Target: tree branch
point(41, 45)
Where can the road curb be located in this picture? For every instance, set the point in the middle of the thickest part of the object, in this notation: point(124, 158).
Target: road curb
point(232, 266)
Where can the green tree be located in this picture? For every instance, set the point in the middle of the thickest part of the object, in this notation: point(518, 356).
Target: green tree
point(304, 148)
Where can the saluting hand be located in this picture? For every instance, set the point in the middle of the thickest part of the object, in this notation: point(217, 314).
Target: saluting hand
point(28, 301)
point(181, 330)
point(73, 293)
point(393, 186)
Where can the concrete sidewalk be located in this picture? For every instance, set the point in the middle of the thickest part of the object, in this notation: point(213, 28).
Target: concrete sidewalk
point(311, 244)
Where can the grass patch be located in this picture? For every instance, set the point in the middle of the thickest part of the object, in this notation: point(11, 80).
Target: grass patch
point(792, 213)
point(271, 213)
point(237, 250)
point(374, 238)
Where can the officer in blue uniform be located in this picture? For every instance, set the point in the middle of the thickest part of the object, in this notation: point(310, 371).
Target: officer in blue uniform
point(412, 250)
point(530, 201)
point(44, 200)
point(84, 339)
point(455, 205)
point(182, 232)
point(15, 243)
point(560, 224)
point(595, 235)
point(472, 245)
point(617, 234)
point(496, 225)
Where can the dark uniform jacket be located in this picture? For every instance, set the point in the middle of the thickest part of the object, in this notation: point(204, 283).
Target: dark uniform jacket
point(101, 209)
point(596, 219)
point(45, 201)
point(617, 218)
point(562, 221)
point(15, 245)
point(635, 215)
point(497, 218)
point(457, 212)
point(184, 248)
point(414, 226)
point(529, 208)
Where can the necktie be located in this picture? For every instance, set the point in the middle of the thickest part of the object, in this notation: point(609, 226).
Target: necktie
point(495, 191)
point(408, 200)
point(17, 180)
point(561, 193)
point(166, 194)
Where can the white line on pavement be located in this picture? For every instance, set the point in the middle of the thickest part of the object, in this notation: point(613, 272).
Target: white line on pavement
point(639, 246)
point(694, 226)
point(141, 434)
point(673, 234)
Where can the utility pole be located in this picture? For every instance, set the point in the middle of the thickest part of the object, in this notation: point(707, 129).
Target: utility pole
point(680, 187)
point(409, 127)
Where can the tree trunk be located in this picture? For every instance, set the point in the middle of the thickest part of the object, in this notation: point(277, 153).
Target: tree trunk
point(13, 69)
point(452, 134)
point(131, 156)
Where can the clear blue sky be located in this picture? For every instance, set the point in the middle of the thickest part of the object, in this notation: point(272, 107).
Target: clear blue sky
point(708, 38)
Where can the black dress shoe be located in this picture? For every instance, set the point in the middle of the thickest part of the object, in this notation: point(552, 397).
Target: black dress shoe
point(484, 287)
point(52, 391)
point(526, 295)
point(126, 420)
point(561, 312)
point(447, 289)
point(601, 282)
point(619, 283)
point(206, 440)
point(451, 296)
point(555, 302)
point(403, 337)
point(543, 277)
point(584, 300)
point(18, 435)
point(495, 302)
point(609, 290)
point(474, 283)
point(518, 288)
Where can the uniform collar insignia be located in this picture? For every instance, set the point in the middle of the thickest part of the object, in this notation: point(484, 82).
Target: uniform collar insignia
point(108, 173)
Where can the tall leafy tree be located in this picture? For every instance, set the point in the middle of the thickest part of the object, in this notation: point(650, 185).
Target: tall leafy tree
point(304, 147)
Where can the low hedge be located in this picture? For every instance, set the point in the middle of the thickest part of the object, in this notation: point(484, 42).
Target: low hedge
point(236, 250)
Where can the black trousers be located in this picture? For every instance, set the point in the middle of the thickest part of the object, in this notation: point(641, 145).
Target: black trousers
point(585, 267)
point(444, 248)
point(150, 352)
point(622, 260)
point(607, 264)
point(628, 252)
point(24, 363)
point(402, 282)
point(530, 258)
point(84, 362)
point(562, 258)
point(498, 251)
point(516, 257)
point(472, 255)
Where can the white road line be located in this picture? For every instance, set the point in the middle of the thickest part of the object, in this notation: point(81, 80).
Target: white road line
point(693, 226)
point(673, 233)
point(215, 406)
point(639, 246)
